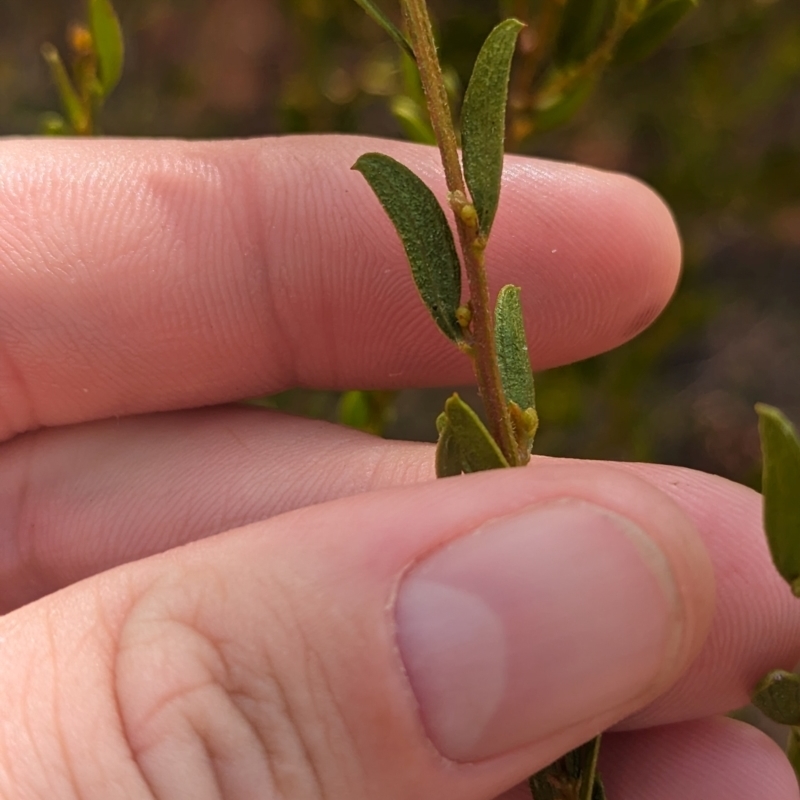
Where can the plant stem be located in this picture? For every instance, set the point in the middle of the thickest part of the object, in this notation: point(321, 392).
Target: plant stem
point(483, 347)
point(424, 46)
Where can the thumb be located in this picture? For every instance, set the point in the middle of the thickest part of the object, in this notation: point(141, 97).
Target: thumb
point(435, 641)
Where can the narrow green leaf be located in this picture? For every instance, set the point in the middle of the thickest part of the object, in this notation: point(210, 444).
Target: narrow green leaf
point(478, 449)
point(655, 25)
point(777, 696)
point(108, 43)
point(76, 112)
point(426, 236)
point(378, 16)
point(582, 25)
point(483, 120)
point(781, 489)
point(515, 367)
point(512, 349)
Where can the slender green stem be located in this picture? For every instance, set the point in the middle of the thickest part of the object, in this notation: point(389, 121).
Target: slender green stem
point(483, 347)
point(590, 771)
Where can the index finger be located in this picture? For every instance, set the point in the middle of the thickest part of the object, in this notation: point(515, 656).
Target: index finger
point(141, 276)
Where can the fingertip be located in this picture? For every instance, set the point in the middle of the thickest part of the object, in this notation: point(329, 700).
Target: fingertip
point(660, 248)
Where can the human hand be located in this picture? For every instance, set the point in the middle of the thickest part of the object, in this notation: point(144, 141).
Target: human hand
point(340, 631)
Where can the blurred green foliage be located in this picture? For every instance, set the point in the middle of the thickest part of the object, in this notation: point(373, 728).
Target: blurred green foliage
point(711, 120)
point(95, 61)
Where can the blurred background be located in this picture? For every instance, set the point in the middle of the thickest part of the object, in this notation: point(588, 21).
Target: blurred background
point(711, 120)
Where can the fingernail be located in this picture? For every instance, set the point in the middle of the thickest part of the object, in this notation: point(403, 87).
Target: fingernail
point(533, 624)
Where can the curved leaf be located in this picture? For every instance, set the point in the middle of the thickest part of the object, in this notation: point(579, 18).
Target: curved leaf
point(426, 236)
point(781, 490)
point(378, 16)
point(477, 448)
point(777, 696)
point(483, 120)
point(108, 43)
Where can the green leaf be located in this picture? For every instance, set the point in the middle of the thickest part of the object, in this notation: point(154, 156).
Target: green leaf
point(74, 108)
point(483, 120)
point(448, 454)
point(512, 349)
point(108, 43)
point(581, 28)
point(781, 489)
point(515, 366)
point(477, 448)
point(777, 696)
point(378, 16)
point(426, 236)
point(655, 25)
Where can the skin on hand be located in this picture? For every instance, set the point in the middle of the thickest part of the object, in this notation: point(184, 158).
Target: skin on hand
point(337, 624)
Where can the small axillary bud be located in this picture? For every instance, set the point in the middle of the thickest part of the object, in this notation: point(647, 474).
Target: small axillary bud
point(464, 209)
point(531, 420)
point(469, 216)
point(80, 40)
point(464, 317)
